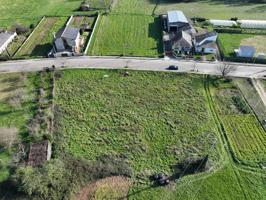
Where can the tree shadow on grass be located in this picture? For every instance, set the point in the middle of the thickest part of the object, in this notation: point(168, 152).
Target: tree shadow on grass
point(155, 32)
point(41, 50)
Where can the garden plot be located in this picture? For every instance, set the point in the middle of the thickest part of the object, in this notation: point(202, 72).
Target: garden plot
point(247, 137)
point(245, 134)
point(40, 42)
point(132, 35)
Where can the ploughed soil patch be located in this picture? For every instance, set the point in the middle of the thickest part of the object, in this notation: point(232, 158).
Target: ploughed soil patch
point(114, 187)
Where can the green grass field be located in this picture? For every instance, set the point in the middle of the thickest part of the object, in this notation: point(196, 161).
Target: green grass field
point(229, 42)
point(140, 117)
point(131, 35)
point(31, 11)
point(226, 183)
point(154, 124)
point(215, 9)
point(40, 43)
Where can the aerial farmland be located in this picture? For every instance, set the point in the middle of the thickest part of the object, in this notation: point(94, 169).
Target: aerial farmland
point(74, 131)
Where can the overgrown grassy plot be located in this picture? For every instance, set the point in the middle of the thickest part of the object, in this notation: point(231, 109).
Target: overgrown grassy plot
point(153, 123)
point(15, 110)
point(131, 35)
point(40, 42)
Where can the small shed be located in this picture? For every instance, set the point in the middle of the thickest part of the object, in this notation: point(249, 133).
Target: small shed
point(39, 153)
point(245, 51)
point(5, 39)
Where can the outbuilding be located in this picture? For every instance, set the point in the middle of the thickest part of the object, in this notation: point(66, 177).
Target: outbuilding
point(223, 23)
point(5, 39)
point(175, 20)
point(245, 51)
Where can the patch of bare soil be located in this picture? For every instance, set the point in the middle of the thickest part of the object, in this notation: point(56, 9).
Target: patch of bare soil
point(115, 187)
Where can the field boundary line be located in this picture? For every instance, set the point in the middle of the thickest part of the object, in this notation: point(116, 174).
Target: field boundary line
point(92, 34)
point(69, 20)
point(30, 36)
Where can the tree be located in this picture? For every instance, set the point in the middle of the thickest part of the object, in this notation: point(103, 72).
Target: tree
point(46, 182)
point(226, 68)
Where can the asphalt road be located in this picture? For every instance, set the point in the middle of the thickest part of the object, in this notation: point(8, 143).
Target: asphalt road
point(149, 64)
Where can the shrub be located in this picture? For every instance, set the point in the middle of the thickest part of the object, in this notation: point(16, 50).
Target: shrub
point(32, 26)
point(21, 29)
point(241, 104)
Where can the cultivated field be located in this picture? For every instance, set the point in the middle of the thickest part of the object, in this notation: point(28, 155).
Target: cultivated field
point(247, 137)
point(40, 43)
point(245, 133)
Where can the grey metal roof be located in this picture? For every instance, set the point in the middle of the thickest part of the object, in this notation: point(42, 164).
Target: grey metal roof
point(70, 33)
point(176, 16)
point(244, 48)
point(199, 38)
point(183, 39)
point(4, 36)
point(59, 44)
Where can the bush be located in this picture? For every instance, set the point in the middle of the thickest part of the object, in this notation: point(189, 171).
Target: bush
point(21, 29)
point(32, 26)
point(241, 104)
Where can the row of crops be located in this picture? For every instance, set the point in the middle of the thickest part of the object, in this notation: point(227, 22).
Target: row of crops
point(245, 134)
point(247, 137)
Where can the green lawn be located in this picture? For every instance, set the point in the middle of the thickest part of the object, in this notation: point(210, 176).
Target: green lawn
point(41, 40)
point(229, 42)
point(31, 11)
point(132, 35)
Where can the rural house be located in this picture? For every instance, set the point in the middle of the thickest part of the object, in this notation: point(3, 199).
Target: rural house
point(5, 39)
point(245, 51)
point(206, 43)
point(67, 42)
point(182, 43)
